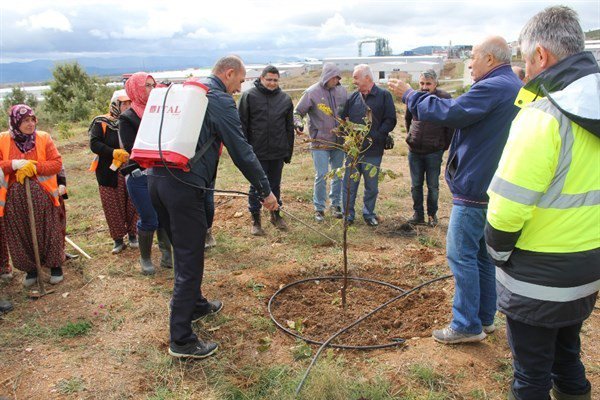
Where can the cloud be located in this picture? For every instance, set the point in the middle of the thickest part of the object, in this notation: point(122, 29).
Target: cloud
point(336, 27)
point(200, 33)
point(46, 20)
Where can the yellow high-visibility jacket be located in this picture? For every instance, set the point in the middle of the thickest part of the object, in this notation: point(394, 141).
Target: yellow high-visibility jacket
point(543, 229)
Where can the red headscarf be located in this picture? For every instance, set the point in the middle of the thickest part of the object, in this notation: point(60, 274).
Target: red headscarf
point(136, 91)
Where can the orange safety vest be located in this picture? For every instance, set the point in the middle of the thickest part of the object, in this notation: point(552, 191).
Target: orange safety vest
point(49, 183)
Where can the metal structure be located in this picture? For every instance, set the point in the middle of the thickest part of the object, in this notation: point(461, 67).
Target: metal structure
point(382, 46)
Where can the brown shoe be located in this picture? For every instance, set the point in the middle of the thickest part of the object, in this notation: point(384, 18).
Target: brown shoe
point(257, 229)
point(277, 221)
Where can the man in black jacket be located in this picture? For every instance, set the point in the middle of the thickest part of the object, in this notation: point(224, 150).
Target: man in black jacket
point(267, 116)
point(178, 198)
point(426, 143)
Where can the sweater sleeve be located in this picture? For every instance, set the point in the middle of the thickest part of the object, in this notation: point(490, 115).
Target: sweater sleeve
point(53, 163)
point(289, 124)
point(244, 113)
point(389, 120)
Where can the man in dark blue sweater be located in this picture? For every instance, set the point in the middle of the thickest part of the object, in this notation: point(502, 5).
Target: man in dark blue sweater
point(368, 97)
point(482, 119)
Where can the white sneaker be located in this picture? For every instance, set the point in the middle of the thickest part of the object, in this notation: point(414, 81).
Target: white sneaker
point(489, 328)
point(450, 336)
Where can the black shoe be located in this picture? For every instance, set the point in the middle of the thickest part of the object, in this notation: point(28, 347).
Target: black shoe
point(213, 308)
point(417, 219)
point(372, 221)
point(193, 350)
point(30, 278)
point(118, 247)
point(56, 275)
point(319, 216)
point(433, 221)
point(5, 306)
point(336, 212)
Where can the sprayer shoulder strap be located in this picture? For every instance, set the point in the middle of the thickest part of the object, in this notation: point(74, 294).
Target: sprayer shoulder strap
point(202, 150)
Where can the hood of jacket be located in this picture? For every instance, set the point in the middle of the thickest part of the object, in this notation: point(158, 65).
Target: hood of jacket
point(264, 89)
point(330, 70)
point(573, 86)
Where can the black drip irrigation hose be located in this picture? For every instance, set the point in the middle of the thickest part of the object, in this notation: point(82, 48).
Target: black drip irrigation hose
point(358, 321)
point(331, 278)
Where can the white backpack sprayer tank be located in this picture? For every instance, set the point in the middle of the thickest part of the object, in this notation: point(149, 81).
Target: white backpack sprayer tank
point(177, 112)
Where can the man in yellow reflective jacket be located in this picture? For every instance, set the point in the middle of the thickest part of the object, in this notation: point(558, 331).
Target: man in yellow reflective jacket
point(543, 227)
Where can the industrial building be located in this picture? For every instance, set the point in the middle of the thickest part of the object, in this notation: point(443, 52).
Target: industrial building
point(392, 66)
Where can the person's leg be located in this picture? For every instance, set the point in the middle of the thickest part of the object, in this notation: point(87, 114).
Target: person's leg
point(568, 372)
point(349, 191)
point(138, 192)
point(336, 160)
point(462, 245)
point(487, 279)
point(181, 213)
point(533, 355)
point(320, 162)
point(274, 172)
point(371, 187)
point(433, 164)
point(416, 165)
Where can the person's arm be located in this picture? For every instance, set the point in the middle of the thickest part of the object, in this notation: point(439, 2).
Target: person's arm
point(53, 163)
point(127, 133)
point(97, 142)
point(458, 113)
point(244, 113)
point(289, 124)
point(525, 171)
point(407, 119)
point(225, 121)
point(389, 119)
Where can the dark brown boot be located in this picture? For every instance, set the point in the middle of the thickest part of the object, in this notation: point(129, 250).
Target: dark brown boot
point(257, 229)
point(277, 221)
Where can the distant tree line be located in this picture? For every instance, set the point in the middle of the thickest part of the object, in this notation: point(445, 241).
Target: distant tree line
point(73, 97)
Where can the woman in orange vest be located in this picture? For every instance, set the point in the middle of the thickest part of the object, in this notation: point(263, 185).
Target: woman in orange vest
point(119, 211)
point(28, 153)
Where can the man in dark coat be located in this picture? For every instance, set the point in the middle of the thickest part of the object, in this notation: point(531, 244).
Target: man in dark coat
point(267, 116)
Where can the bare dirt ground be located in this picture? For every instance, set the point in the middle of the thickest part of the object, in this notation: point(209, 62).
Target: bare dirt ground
point(104, 333)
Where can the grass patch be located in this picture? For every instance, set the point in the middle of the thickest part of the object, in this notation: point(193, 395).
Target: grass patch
point(74, 329)
point(427, 377)
point(70, 386)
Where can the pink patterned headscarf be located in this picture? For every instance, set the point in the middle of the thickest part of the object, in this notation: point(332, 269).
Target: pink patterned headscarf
point(136, 91)
point(17, 114)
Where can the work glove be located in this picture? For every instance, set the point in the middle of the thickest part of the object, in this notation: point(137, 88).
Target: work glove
point(27, 171)
point(287, 160)
point(18, 164)
point(120, 155)
point(62, 190)
point(115, 164)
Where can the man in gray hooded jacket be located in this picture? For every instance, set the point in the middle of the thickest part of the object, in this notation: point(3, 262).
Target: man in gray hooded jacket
point(327, 91)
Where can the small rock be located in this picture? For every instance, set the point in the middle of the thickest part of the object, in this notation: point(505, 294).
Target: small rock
point(29, 349)
point(238, 214)
point(397, 323)
point(65, 295)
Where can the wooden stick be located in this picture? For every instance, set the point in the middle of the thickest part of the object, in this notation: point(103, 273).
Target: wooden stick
point(36, 250)
point(79, 249)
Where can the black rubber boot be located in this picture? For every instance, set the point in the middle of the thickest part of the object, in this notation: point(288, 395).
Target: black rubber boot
point(164, 244)
point(257, 229)
point(277, 221)
point(556, 394)
point(145, 239)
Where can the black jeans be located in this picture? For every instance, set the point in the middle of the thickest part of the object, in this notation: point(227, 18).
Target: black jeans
point(273, 170)
point(425, 167)
point(543, 356)
point(180, 210)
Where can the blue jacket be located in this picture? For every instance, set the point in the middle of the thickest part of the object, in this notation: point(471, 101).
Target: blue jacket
point(222, 121)
point(383, 112)
point(482, 119)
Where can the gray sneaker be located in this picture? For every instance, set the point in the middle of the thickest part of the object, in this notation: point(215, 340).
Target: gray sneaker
point(450, 336)
point(193, 350)
point(489, 328)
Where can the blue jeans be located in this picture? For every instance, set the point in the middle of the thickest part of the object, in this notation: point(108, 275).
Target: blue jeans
point(371, 188)
point(474, 302)
point(140, 197)
point(542, 356)
point(425, 166)
point(323, 159)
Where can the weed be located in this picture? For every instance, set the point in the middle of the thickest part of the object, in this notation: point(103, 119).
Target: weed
point(429, 241)
point(427, 377)
point(73, 329)
point(263, 324)
point(70, 386)
point(301, 350)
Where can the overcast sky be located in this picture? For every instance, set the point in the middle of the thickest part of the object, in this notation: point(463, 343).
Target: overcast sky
point(266, 30)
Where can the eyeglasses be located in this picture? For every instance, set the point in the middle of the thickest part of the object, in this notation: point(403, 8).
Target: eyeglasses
point(150, 85)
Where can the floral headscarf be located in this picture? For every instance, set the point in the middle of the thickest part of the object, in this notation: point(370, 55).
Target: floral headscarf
point(17, 114)
point(136, 91)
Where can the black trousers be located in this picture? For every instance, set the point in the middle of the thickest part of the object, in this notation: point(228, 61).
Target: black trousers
point(273, 169)
point(181, 212)
point(545, 356)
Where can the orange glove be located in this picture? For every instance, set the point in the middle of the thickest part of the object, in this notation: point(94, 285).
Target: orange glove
point(27, 171)
point(121, 155)
point(115, 164)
